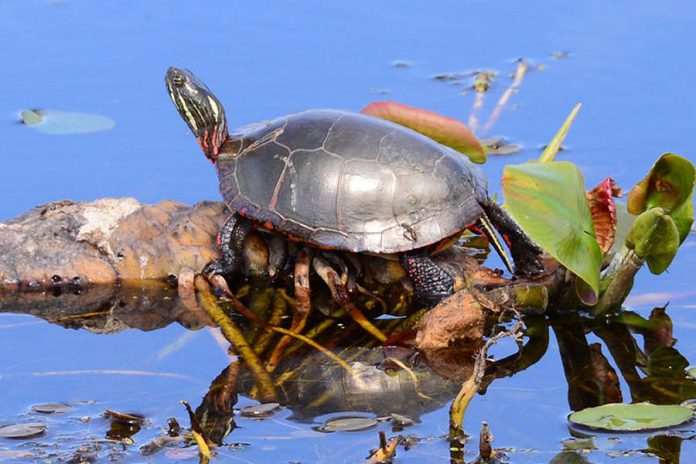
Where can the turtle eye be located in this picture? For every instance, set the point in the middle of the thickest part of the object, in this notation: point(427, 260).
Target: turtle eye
point(178, 80)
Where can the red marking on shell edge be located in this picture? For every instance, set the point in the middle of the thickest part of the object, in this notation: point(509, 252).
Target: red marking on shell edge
point(446, 243)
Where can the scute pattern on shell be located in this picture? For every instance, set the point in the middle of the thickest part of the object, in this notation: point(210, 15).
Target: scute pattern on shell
point(347, 181)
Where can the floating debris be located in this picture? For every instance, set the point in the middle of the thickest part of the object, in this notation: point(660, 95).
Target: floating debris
point(124, 417)
point(483, 81)
point(500, 146)
point(51, 408)
point(65, 122)
point(401, 64)
point(402, 421)
point(454, 76)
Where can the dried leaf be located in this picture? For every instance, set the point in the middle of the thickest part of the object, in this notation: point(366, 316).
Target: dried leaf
point(603, 210)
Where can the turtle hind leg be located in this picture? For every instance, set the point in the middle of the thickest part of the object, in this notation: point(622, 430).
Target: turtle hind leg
point(230, 241)
point(525, 253)
point(430, 282)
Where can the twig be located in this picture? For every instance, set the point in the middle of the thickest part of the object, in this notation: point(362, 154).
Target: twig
point(386, 450)
point(471, 385)
point(516, 82)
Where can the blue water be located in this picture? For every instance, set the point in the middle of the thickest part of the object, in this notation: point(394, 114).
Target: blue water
point(630, 64)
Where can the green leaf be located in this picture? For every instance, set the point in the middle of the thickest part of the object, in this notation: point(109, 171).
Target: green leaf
point(691, 373)
point(554, 146)
point(548, 201)
point(621, 417)
point(683, 217)
point(668, 185)
point(654, 237)
point(444, 130)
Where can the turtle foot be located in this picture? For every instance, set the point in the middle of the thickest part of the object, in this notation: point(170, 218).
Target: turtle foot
point(431, 284)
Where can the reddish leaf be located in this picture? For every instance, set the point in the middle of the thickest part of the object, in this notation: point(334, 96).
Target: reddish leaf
point(442, 129)
point(603, 212)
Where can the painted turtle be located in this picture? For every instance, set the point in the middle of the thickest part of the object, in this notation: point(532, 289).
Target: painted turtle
point(345, 181)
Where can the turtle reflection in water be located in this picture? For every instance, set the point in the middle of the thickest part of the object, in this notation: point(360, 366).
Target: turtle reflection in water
point(347, 182)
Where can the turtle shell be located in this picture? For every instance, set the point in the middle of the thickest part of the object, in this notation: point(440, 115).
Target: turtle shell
point(351, 182)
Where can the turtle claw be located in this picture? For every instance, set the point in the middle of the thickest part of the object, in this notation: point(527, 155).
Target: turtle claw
point(529, 264)
point(213, 268)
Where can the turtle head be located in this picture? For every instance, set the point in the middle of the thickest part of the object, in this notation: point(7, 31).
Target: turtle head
point(200, 109)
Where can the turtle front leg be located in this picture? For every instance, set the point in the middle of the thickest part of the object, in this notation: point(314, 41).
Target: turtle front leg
point(230, 241)
point(430, 282)
point(525, 253)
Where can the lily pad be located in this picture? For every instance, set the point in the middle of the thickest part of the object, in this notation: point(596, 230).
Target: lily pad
point(260, 410)
point(51, 408)
point(638, 417)
point(349, 424)
point(655, 238)
point(548, 201)
point(65, 122)
point(22, 430)
point(442, 129)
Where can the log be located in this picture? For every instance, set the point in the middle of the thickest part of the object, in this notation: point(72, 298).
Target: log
point(105, 242)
